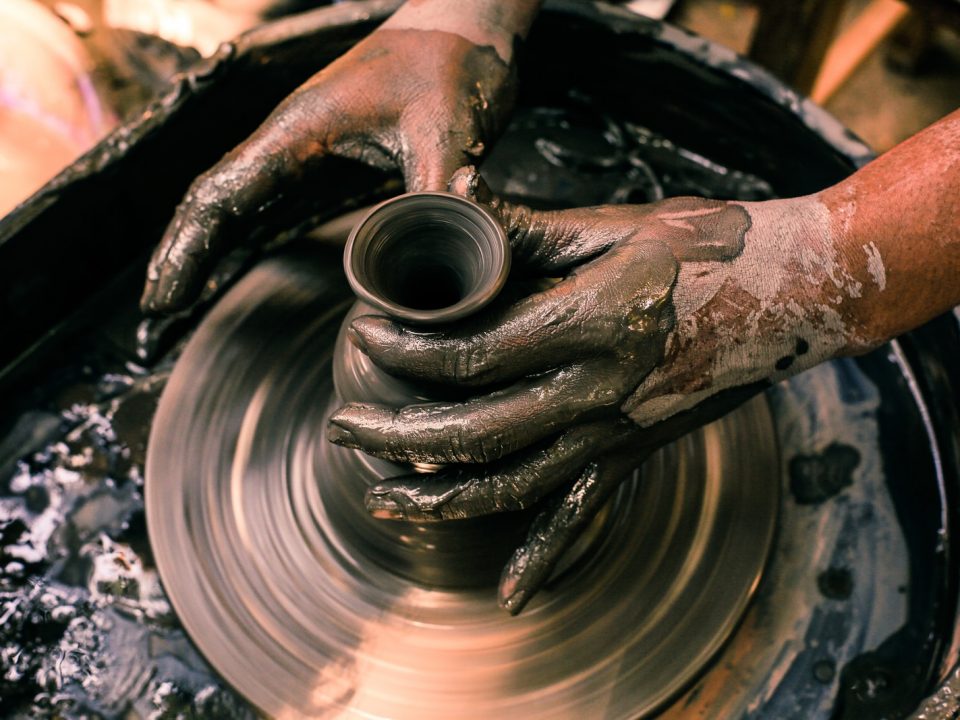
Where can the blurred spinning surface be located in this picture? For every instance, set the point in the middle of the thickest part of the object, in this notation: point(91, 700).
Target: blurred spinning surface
point(242, 514)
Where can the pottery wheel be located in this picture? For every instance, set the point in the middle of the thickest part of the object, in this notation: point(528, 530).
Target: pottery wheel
point(303, 621)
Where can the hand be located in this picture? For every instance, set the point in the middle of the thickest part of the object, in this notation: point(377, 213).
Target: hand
point(423, 101)
point(662, 307)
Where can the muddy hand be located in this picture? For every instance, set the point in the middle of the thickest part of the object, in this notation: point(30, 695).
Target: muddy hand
point(660, 307)
point(667, 316)
point(674, 313)
point(424, 93)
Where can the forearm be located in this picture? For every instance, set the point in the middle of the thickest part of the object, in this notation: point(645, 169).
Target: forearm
point(495, 23)
point(897, 226)
point(832, 274)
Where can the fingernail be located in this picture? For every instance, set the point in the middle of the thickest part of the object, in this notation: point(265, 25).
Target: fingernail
point(358, 341)
point(177, 286)
point(149, 303)
point(380, 332)
point(381, 506)
point(340, 434)
point(513, 601)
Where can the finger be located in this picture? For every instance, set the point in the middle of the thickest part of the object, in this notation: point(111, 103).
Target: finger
point(218, 204)
point(535, 334)
point(614, 305)
point(518, 484)
point(428, 165)
point(548, 242)
point(483, 429)
point(556, 527)
point(511, 485)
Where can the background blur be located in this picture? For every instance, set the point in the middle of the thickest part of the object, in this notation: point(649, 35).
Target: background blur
point(70, 70)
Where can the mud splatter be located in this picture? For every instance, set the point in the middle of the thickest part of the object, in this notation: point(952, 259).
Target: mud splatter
point(835, 583)
point(85, 628)
point(875, 266)
point(818, 477)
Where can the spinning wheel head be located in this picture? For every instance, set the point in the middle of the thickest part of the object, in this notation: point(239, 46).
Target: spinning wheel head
point(309, 607)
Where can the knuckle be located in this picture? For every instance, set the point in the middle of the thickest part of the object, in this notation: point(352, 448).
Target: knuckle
point(523, 495)
point(204, 197)
point(566, 312)
point(471, 443)
point(468, 365)
point(464, 445)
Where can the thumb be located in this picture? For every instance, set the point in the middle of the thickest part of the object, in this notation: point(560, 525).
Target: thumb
point(545, 242)
point(467, 182)
point(426, 168)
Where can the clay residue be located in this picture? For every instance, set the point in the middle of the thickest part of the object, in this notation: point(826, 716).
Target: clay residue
point(835, 583)
point(84, 621)
point(819, 476)
point(742, 320)
point(875, 265)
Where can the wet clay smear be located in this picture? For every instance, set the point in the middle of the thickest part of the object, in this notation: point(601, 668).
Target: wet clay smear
point(85, 628)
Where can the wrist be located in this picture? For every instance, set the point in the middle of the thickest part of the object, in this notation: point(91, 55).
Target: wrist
point(809, 267)
point(492, 23)
point(777, 308)
point(858, 242)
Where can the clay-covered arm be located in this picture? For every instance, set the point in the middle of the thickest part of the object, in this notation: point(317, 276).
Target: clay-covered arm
point(425, 93)
point(667, 315)
point(832, 274)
